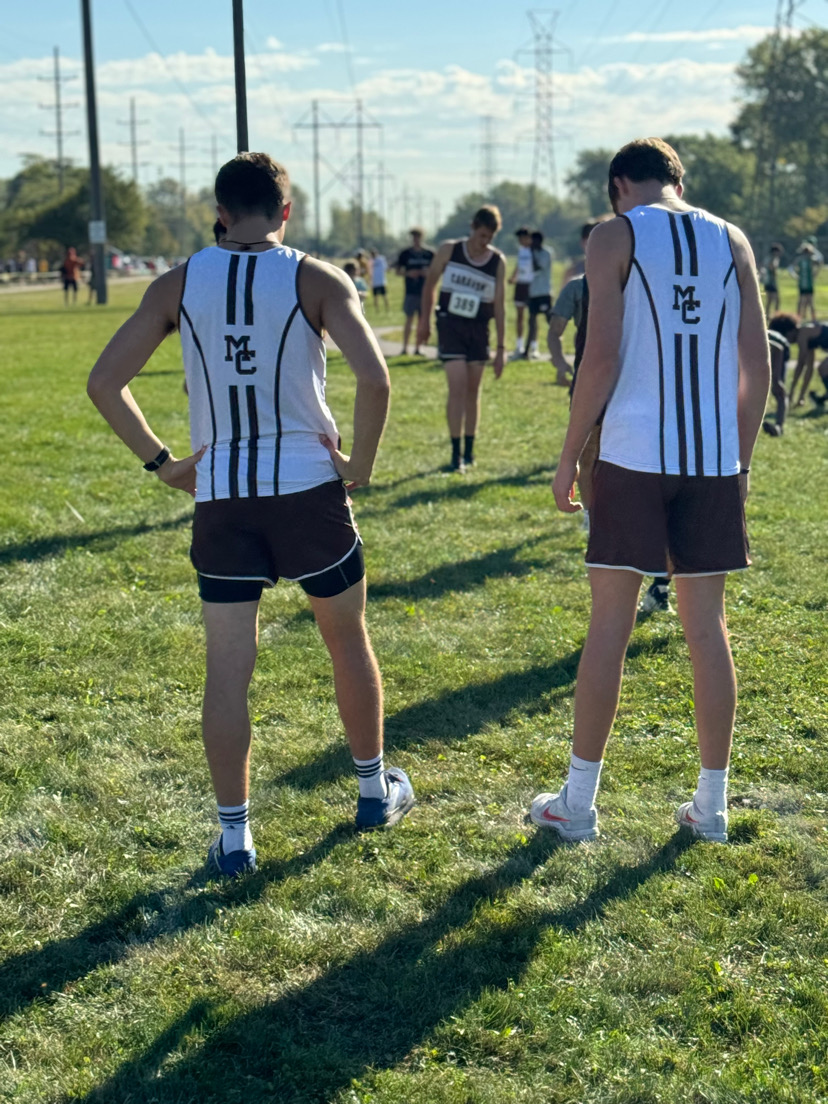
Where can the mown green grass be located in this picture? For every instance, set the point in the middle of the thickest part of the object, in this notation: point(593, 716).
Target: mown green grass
point(461, 958)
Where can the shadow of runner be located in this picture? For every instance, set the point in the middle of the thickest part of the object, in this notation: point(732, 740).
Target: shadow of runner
point(34, 975)
point(371, 1011)
point(458, 714)
point(40, 548)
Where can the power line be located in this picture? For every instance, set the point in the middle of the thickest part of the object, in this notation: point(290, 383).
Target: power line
point(346, 43)
point(170, 70)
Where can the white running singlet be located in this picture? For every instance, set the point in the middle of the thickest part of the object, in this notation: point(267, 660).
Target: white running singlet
point(674, 407)
point(525, 272)
point(255, 371)
point(379, 267)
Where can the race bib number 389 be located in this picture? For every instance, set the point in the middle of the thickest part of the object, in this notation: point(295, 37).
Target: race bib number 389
point(464, 304)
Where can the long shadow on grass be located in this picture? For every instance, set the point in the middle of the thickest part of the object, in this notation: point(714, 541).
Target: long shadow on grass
point(40, 548)
point(370, 1012)
point(146, 917)
point(458, 714)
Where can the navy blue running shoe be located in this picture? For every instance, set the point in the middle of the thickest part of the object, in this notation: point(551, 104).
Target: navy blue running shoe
point(232, 864)
point(383, 812)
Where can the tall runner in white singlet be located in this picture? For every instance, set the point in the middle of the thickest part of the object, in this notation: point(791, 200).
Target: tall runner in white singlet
point(472, 293)
point(269, 480)
point(677, 359)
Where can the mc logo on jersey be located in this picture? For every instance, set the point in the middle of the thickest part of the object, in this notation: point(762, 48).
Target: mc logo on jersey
point(242, 354)
point(685, 300)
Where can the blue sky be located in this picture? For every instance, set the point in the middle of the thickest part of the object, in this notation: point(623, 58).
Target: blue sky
point(428, 72)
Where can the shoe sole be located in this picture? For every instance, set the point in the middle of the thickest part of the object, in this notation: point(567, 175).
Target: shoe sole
point(394, 818)
point(582, 836)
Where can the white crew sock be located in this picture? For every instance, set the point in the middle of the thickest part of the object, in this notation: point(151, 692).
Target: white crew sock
point(371, 779)
point(711, 792)
point(520, 346)
point(582, 783)
point(533, 348)
point(235, 825)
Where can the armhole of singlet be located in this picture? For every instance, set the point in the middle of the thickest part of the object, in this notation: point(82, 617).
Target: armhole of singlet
point(183, 288)
point(734, 268)
point(302, 260)
point(632, 253)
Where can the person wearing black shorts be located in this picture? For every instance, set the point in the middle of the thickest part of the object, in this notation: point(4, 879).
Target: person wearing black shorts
point(269, 478)
point(540, 292)
point(677, 360)
point(471, 295)
point(413, 265)
point(782, 329)
point(812, 338)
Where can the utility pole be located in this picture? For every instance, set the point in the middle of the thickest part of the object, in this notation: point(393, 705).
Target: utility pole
point(214, 154)
point(355, 121)
point(437, 215)
point(97, 223)
point(58, 107)
point(133, 142)
point(242, 142)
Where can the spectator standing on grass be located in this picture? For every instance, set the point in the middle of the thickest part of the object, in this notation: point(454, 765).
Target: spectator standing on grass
point(412, 264)
point(540, 292)
point(677, 359)
point(379, 275)
point(350, 270)
point(521, 278)
point(770, 278)
point(805, 269)
point(70, 272)
point(270, 482)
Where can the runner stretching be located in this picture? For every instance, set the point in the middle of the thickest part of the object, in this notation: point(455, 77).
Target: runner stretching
point(472, 293)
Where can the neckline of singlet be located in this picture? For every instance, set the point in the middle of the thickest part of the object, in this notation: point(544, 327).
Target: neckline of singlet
point(473, 263)
point(248, 252)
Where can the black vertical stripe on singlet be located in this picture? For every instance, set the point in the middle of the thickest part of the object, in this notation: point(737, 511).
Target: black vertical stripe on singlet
point(695, 396)
point(676, 245)
point(276, 398)
point(248, 289)
point(681, 425)
point(232, 273)
point(253, 442)
point(716, 389)
point(687, 223)
point(209, 399)
point(235, 423)
point(657, 328)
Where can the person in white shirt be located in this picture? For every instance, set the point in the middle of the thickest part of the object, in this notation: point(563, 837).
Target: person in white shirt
point(677, 361)
point(379, 272)
point(521, 278)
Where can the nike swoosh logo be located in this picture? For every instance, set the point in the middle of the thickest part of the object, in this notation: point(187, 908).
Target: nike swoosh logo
point(548, 816)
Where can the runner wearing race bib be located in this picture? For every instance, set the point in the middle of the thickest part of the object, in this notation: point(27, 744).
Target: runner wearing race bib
point(471, 294)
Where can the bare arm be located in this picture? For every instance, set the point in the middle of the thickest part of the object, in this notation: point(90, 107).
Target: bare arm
point(607, 260)
point(500, 317)
point(122, 360)
point(331, 302)
point(754, 354)
point(435, 271)
point(557, 325)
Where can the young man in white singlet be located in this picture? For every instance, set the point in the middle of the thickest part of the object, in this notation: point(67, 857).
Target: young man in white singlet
point(677, 361)
point(472, 293)
point(379, 274)
point(267, 473)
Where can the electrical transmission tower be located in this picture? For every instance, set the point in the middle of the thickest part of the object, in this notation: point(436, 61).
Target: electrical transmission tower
point(488, 147)
point(58, 107)
point(133, 142)
point(359, 121)
point(542, 51)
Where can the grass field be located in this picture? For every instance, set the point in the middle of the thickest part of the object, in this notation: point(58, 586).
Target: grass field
point(461, 958)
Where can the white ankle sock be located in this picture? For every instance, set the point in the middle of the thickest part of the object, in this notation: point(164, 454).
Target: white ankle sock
point(371, 780)
point(582, 783)
point(711, 792)
point(235, 828)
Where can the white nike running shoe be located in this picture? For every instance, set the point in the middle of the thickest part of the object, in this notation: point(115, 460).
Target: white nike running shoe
point(551, 811)
point(712, 828)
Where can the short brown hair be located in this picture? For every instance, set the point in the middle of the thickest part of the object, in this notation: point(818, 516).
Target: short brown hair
point(645, 159)
point(252, 184)
point(488, 216)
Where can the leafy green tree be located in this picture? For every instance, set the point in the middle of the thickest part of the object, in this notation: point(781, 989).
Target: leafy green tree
point(587, 182)
point(717, 173)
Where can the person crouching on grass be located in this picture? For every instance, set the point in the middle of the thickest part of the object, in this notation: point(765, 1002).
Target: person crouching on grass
point(677, 358)
point(270, 482)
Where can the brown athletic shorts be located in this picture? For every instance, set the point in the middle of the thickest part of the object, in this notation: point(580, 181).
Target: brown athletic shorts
point(650, 523)
point(462, 338)
point(243, 544)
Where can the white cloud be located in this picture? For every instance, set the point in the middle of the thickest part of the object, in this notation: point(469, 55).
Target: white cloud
point(744, 33)
point(333, 48)
point(273, 43)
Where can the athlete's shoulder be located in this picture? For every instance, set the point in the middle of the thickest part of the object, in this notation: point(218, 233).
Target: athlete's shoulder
point(323, 277)
point(163, 296)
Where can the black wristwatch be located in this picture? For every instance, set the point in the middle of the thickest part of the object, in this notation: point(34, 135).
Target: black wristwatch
point(162, 457)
